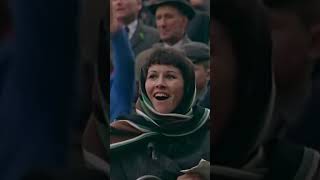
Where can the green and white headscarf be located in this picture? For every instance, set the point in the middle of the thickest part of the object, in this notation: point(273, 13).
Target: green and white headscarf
point(184, 120)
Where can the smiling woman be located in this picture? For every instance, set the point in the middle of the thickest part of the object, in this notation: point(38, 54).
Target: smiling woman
point(164, 85)
point(168, 134)
point(176, 76)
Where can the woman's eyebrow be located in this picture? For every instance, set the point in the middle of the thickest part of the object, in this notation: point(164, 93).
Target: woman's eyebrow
point(171, 72)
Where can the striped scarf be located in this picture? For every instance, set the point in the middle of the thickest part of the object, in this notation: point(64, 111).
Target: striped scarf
point(151, 123)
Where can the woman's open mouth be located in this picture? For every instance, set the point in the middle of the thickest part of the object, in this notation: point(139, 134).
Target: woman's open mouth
point(161, 96)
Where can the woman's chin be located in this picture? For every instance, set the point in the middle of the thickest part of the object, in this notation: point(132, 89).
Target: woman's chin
point(163, 110)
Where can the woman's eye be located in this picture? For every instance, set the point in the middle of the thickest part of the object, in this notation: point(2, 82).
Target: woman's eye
point(171, 77)
point(152, 76)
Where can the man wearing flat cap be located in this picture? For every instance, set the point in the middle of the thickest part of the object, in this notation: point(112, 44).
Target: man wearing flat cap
point(199, 54)
point(172, 18)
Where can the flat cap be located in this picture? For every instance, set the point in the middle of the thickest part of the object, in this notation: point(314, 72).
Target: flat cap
point(196, 51)
point(182, 5)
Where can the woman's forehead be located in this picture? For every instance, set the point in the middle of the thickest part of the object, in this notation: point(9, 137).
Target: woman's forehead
point(163, 68)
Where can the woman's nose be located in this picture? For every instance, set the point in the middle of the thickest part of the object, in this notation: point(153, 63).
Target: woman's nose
point(160, 83)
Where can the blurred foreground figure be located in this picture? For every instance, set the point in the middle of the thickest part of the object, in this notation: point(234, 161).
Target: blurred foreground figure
point(295, 29)
point(38, 73)
point(243, 101)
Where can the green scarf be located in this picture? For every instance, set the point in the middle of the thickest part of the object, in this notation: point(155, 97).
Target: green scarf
point(152, 123)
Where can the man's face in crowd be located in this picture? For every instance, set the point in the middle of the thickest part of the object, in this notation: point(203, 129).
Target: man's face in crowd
point(291, 43)
point(126, 8)
point(202, 74)
point(224, 77)
point(171, 24)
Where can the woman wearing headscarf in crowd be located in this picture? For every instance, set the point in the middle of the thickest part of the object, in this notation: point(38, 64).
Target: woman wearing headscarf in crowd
point(244, 98)
point(168, 133)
